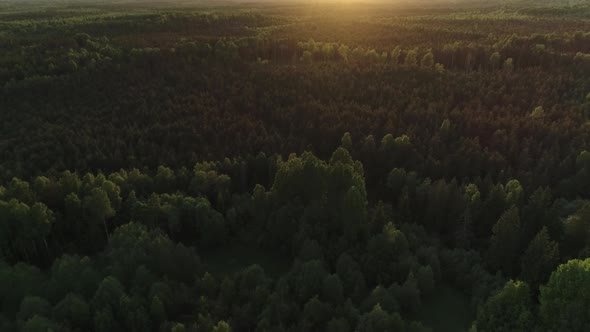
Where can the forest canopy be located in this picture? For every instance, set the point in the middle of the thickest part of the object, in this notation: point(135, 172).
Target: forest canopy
point(294, 167)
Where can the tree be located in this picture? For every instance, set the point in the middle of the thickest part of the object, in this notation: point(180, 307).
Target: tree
point(332, 290)
point(425, 279)
point(338, 325)
point(343, 51)
point(315, 315)
point(508, 310)
point(73, 310)
point(33, 305)
point(346, 141)
point(113, 192)
point(514, 193)
point(540, 212)
point(157, 310)
point(464, 232)
point(99, 208)
point(495, 60)
point(396, 181)
point(353, 280)
point(165, 179)
point(306, 58)
point(309, 279)
point(411, 59)
point(108, 294)
point(222, 326)
point(439, 68)
point(371, 56)
point(427, 61)
point(104, 320)
point(72, 274)
point(69, 183)
point(384, 297)
point(310, 250)
point(583, 160)
point(20, 190)
point(39, 324)
point(508, 64)
point(565, 299)
point(394, 55)
point(73, 215)
point(539, 259)
point(380, 320)
point(493, 205)
point(354, 214)
point(136, 318)
point(577, 231)
point(380, 215)
point(505, 242)
point(408, 294)
point(538, 113)
point(383, 251)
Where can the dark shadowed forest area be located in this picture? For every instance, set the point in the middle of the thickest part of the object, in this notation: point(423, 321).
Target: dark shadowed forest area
point(285, 166)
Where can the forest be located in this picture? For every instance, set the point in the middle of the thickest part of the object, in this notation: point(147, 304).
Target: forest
point(182, 166)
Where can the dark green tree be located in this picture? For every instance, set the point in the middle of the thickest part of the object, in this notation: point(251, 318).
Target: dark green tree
point(510, 309)
point(565, 299)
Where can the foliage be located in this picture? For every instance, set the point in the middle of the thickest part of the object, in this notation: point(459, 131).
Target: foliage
point(302, 167)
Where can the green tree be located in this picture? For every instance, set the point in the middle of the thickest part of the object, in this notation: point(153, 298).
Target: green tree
point(396, 181)
point(411, 59)
point(33, 305)
point(108, 294)
point(332, 290)
point(311, 250)
point(383, 251)
point(73, 310)
point(380, 320)
point(565, 299)
point(514, 193)
point(315, 315)
point(425, 279)
point(20, 190)
point(353, 280)
point(354, 214)
point(222, 326)
point(310, 279)
point(104, 320)
point(427, 61)
point(505, 242)
point(338, 325)
point(539, 259)
point(382, 296)
point(577, 231)
point(178, 327)
point(508, 310)
point(464, 232)
point(99, 208)
point(346, 141)
point(344, 51)
point(39, 324)
point(394, 55)
point(165, 179)
point(74, 215)
point(508, 64)
point(306, 58)
point(538, 113)
point(495, 60)
point(157, 310)
point(408, 294)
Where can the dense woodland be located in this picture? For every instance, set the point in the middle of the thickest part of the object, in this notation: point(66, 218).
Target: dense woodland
point(295, 167)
